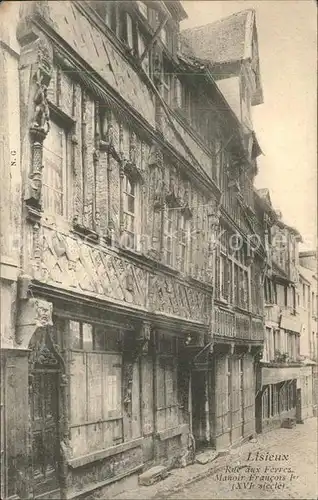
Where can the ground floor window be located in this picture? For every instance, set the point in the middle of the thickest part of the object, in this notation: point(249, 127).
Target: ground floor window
point(287, 396)
point(266, 403)
point(275, 400)
point(95, 387)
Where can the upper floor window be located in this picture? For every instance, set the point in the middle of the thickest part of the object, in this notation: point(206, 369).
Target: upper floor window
point(130, 211)
point(55, 171)
point(166, 85)
point(183, 243)
point(304, 296)
point(170, 237)
point(128, 31)
point(141, 49)
point(217, 160)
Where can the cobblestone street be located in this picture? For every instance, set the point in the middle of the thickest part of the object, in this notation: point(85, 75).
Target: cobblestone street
point(294, 476)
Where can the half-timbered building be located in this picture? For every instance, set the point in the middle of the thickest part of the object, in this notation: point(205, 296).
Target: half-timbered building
point(130, 277)
point(229, 49)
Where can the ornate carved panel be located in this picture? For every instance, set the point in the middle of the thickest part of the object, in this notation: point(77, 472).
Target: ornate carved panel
point(167, 295)
point(224, 323)
point(67, 262)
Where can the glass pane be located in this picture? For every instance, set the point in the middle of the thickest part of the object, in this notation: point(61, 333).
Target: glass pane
point(130, 223)
point(87, 337)
point(130, 187)
point(53, 161)
point(130, 240)
point(131, 204)
point(169, 258)
point(75, 335)
point(99, 338)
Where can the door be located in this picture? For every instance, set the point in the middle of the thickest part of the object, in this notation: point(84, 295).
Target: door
point(198, 408)
point(43, 401)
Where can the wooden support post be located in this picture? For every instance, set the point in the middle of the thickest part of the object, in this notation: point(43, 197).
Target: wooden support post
point(207, 408)
point(190, 402)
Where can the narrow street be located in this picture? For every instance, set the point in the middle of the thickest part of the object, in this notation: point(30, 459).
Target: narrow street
point(292, 473)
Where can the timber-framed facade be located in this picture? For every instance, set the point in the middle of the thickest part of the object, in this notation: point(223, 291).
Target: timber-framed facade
point(129, 326)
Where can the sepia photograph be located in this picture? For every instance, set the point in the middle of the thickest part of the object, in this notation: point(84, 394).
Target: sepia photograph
point(158, 250)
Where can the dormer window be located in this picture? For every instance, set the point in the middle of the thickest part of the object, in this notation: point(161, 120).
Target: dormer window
point(184, 241)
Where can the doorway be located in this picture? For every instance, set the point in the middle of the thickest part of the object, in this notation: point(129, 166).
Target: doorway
point(44, 416)
point(198, 394)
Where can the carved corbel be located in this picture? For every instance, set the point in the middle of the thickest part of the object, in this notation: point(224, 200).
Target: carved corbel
point(155, 157)
point(133, 171)
point(33, 314)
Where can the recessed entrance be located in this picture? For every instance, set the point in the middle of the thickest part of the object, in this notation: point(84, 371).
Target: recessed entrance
point(44, 373)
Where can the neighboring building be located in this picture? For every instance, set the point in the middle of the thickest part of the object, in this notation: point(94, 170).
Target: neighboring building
point(228, 49)
point(308, 309)
point(121, 159)
point(285, 383)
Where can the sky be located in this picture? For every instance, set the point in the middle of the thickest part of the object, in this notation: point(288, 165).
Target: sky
point(286, 123)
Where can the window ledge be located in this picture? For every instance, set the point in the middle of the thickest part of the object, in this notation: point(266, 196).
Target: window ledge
point(173, 431)
point(100, 455)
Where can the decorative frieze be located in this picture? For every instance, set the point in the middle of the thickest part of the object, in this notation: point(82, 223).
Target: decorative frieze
point(69, 263)
point(168, 295)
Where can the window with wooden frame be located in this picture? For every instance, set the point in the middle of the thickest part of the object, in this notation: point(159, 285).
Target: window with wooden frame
point(268, 291)
point(177, 94)
point(170, 240)
point(186, 101)
point(146, 63)
point(166, 83)
point(55, 189)
point(266, 403)
point(267, 346)
point(95, 386)
point(224, 277)
point(184, 242)
point(275, 400)
point(128, 31)
point(131, 212)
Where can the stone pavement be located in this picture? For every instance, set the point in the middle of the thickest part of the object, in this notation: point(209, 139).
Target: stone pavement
point(235, 477)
